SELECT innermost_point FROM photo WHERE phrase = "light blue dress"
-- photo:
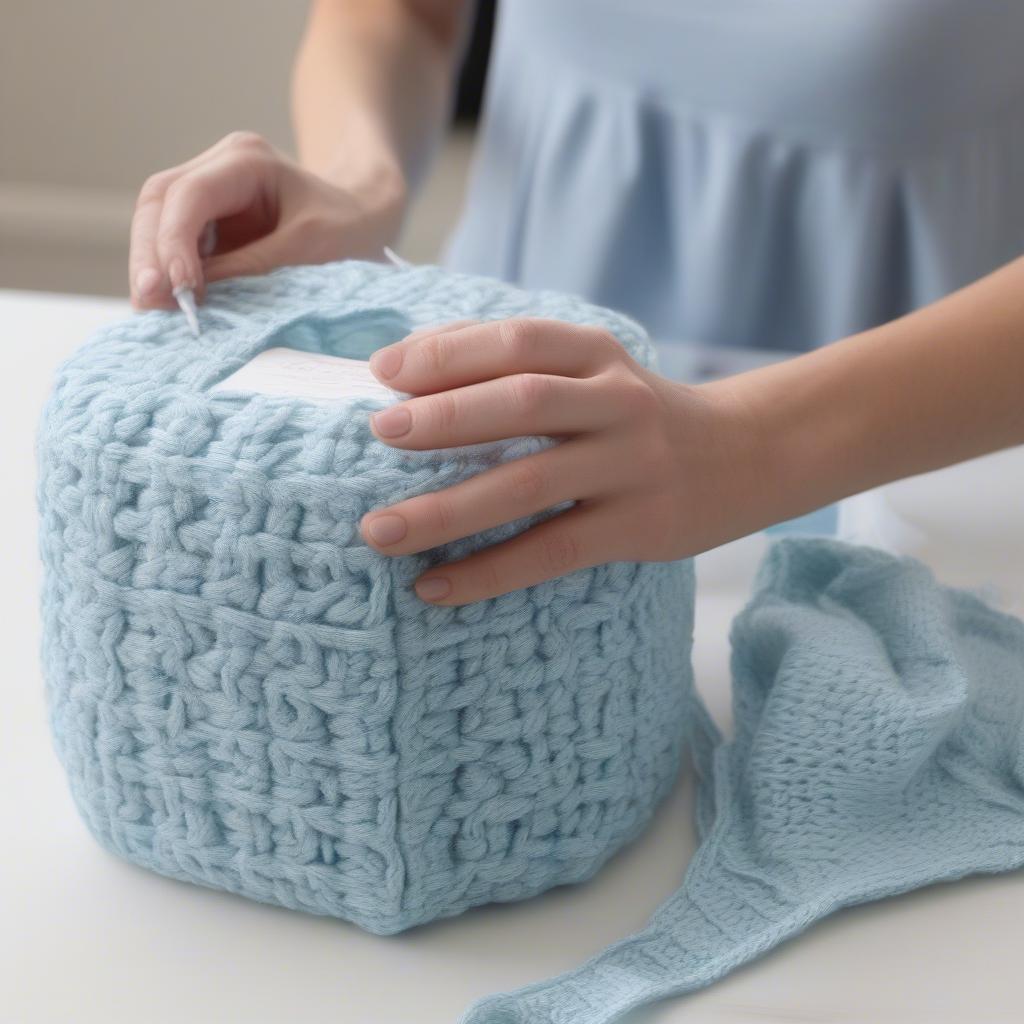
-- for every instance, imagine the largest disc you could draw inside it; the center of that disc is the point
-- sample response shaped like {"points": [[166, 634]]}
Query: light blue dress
{"points": [[761, 173]]}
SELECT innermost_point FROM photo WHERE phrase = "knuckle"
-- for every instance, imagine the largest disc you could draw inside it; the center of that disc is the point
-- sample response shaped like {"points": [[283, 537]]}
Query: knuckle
{"points": [[656, 458], [444, 411], [528, 392], [436, 352], [518, 335], [527, 485], [442, 514], [171, 230], [154, 188], [606, 344], [559, 552], [247, 140], [636, 396], [176, 191]]}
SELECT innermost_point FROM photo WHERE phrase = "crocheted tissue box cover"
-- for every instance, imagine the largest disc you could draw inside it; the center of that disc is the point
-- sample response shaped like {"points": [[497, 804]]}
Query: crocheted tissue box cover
{"points": [[245, 696]]}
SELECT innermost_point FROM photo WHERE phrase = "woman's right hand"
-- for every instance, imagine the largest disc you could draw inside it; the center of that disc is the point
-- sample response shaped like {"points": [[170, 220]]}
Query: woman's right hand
{"points": [[242, 207]]}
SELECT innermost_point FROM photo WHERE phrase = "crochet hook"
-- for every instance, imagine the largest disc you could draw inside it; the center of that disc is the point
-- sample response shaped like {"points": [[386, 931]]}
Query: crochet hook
{"points": [[395, 260], [186, 299], [183, 294]]}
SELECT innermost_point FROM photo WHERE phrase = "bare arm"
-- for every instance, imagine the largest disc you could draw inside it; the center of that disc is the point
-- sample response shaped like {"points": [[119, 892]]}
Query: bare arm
{"points": [[935, 387], [372, 87], [660, 470]]}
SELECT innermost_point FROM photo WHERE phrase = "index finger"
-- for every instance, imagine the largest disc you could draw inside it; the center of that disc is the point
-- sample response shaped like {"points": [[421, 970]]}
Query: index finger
{"points": [[149, 285], [449, 358], [219, 188], [572, 540]]}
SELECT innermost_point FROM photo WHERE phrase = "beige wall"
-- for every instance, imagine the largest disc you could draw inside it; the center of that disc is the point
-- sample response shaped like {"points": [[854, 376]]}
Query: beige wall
{"points": [[97, 94]]}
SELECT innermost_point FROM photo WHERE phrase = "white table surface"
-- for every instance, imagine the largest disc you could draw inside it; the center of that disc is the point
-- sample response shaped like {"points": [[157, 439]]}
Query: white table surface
{"points": [[85, 937]]}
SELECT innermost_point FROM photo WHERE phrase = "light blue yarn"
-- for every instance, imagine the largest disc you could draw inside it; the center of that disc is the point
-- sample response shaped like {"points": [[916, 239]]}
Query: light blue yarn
{"points": [[245, 696], [879, 747]]}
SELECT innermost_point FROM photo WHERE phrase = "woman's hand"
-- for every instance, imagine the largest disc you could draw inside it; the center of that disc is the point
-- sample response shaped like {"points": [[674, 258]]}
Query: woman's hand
{"points": [[661, 470], [657, 470], [242, 207]]}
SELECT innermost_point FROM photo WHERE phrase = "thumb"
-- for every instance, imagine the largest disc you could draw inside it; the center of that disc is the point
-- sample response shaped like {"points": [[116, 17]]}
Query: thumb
{"points": [[256, 257]]}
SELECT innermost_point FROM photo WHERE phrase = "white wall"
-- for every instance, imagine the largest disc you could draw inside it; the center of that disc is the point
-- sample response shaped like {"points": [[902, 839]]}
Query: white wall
{"points": [[97, 94]]}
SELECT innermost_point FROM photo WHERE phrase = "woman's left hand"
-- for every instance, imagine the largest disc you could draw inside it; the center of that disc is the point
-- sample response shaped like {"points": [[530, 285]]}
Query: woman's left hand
{"points": [[657, 470]]}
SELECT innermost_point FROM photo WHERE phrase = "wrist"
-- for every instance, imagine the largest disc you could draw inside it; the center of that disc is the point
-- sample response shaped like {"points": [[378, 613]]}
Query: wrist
{"points": [[360, 162], [792, 439], [363, 206], [377, 183]]}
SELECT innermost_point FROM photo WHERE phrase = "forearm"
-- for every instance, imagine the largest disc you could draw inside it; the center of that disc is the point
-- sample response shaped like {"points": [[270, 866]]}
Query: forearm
{"points": [[371, 88], [940, 385]]}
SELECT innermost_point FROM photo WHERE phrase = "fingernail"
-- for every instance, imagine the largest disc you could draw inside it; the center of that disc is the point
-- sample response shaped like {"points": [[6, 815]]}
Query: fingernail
{"points": [[386, 363], [179, 276], [393, 422], [146, 281], [384, 530], [433, 589]]}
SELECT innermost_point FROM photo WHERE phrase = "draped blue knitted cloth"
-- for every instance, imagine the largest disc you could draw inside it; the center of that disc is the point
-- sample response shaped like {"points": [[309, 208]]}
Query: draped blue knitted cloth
{"points": [[879, 747], [245, 696]]}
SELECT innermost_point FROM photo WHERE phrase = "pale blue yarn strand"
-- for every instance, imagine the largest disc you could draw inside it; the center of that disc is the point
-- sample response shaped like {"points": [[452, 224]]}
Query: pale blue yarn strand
{"points": [[879, 747]]}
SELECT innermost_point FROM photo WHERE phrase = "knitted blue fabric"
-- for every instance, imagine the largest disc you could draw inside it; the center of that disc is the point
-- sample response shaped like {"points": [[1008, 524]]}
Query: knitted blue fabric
{"points": [[879, 746], [245, 696]]}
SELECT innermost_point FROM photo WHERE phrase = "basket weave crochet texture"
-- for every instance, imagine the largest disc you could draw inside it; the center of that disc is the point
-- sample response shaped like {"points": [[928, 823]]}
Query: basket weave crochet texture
{"points": [[245, 696]]}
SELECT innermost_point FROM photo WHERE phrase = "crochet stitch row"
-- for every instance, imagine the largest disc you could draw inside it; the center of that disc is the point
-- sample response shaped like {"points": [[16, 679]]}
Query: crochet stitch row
{"points": [[245, 696]]}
